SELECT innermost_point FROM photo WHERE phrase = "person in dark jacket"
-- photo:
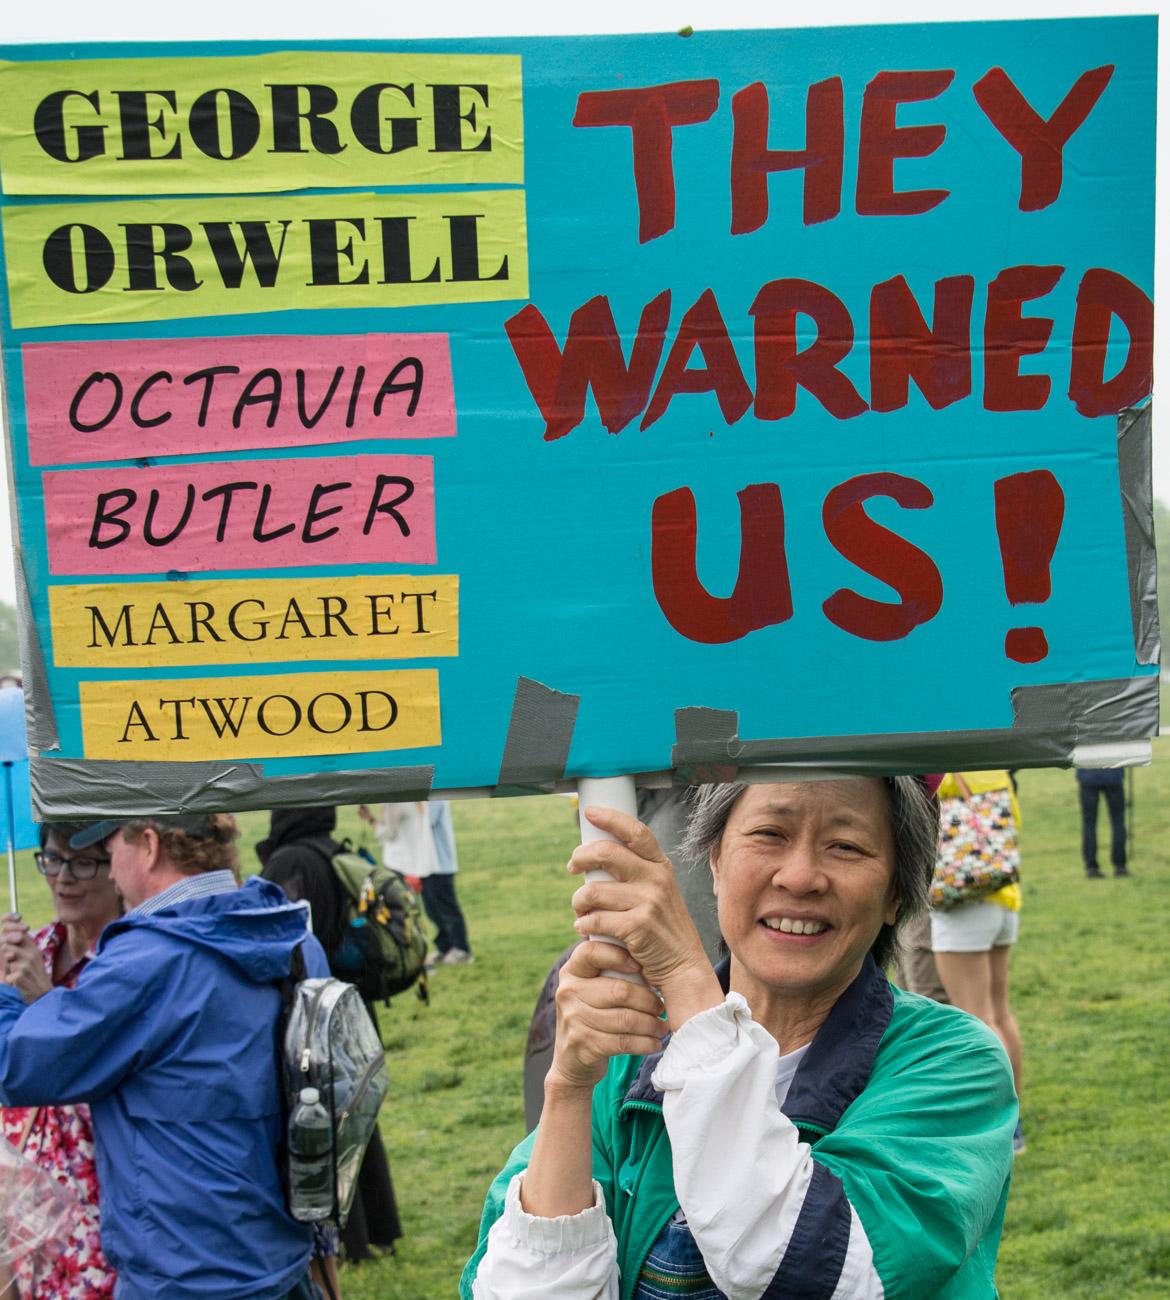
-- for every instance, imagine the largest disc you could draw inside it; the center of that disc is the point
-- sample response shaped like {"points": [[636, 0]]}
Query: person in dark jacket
{"points": [[1093, 783], [297, 856]]}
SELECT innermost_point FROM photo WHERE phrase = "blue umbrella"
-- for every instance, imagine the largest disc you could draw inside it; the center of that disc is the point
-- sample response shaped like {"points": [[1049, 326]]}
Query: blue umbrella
{"points": [[20, 831]]}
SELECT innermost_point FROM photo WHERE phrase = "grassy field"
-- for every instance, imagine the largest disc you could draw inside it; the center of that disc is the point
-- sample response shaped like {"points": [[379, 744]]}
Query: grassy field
{"points": [[1092, 983]]}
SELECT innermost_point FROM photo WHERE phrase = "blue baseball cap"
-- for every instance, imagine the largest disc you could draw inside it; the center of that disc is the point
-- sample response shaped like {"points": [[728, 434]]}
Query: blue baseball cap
{"points": [[197, 825]]}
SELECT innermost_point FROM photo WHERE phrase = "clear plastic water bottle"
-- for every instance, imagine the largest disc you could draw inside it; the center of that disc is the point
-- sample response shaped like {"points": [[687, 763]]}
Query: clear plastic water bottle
{"points": [[310, 1144]]}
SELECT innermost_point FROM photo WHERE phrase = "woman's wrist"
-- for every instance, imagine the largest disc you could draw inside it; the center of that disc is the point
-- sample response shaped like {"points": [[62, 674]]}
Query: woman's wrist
{"points": [[568, 1092], [689, 991]]}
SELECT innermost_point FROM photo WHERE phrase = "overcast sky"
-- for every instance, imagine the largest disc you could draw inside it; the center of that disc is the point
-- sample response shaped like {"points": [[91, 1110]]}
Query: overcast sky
{"points": [[83, 20]]}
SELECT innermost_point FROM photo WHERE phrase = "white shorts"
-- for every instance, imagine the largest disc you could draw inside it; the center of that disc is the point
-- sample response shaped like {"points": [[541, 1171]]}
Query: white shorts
{"points": [[973, 927]]}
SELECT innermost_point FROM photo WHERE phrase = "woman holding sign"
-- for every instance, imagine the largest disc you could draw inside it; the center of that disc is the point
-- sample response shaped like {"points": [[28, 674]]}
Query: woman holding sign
{"points": [[787, 1123]]}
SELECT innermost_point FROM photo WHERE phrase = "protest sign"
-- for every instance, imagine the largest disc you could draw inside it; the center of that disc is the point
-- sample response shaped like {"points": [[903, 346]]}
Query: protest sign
{"points": [[398, 417]]}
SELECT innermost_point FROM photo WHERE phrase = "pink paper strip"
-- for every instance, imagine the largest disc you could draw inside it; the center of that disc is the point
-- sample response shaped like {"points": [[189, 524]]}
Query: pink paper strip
{"points": [[113, 399], [253, 514]]}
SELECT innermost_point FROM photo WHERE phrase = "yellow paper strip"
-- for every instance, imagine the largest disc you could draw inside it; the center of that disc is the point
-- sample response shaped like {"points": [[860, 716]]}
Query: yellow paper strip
{"points": [[260, 717], [102, 263], [272, 620], [293, 120]]}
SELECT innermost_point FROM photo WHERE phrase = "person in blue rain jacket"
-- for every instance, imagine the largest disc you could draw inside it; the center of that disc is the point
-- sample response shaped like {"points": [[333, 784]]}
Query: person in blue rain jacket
{"points": [[170, 1036]]}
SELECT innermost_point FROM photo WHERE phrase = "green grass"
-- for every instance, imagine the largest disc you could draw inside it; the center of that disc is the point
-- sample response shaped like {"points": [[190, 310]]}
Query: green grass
{"points": [[1091, 981]]}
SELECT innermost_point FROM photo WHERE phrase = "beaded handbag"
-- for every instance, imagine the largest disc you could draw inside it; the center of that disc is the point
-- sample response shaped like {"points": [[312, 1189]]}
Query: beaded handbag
{"points": [[977, 848]]}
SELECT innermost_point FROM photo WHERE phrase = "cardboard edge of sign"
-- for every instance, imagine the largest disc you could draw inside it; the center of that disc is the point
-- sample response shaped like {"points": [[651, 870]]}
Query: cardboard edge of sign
{"points": [[1134, 462], [129, 789], [1054, 726], [39, 718], [1094, 723]]}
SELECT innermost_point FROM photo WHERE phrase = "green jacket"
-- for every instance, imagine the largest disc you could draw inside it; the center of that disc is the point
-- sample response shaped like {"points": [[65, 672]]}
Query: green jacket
{"points": [[909, 1109]]}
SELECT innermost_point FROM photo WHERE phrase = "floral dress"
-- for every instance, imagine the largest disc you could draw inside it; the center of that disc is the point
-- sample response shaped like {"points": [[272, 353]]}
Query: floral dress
{"points": [[60, 1140]]}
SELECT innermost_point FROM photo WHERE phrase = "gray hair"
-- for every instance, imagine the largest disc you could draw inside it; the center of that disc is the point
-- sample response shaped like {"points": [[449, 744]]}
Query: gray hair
{"points": [[913, 821]]}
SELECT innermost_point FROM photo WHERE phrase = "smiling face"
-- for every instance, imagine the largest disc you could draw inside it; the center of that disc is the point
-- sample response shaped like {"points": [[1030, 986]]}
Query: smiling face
{"points": [[86, 903], [804, 879]]}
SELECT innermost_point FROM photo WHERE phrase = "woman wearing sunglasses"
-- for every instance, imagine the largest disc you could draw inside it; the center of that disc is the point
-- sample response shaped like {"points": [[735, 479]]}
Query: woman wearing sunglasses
{"points": [[60, 1138]]}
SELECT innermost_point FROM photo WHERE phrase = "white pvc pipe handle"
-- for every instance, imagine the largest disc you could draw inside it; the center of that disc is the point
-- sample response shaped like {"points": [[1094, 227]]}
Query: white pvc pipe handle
{"points": [[13, 903], [619, 793]]}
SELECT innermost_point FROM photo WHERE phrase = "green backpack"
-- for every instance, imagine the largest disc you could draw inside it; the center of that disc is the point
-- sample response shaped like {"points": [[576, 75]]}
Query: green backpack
{"points": [[383, 949]]}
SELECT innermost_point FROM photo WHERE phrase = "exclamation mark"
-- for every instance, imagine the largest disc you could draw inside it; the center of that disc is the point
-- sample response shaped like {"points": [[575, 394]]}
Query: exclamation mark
{"points": [[1029, 513]]}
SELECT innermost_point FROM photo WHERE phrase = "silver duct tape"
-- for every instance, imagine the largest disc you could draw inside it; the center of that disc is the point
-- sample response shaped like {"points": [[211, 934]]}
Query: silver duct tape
{"points": [[536, 749], [1126, 753], [1134, 451], [1098, 713], [40, 719], [1051, 723], [66, 788], [707, 746]]}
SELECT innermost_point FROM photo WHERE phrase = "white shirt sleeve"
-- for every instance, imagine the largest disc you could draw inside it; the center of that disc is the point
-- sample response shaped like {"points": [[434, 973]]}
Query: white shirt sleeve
{"points": [[573, 1257], [741, 1173], [859, 1279]]}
